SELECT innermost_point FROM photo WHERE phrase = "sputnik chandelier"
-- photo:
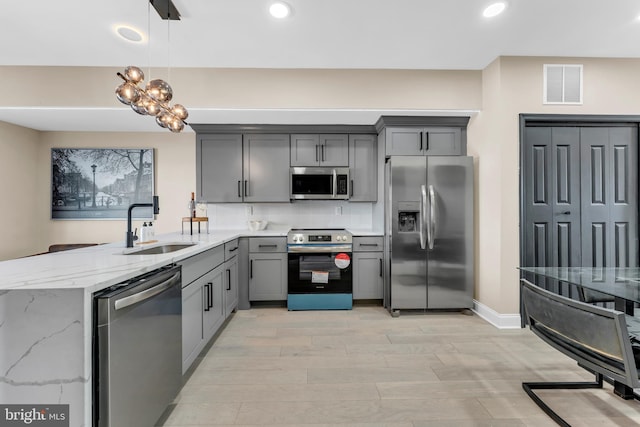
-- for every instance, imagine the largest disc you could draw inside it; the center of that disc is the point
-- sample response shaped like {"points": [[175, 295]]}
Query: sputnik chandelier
{"points": [[152, 100]]}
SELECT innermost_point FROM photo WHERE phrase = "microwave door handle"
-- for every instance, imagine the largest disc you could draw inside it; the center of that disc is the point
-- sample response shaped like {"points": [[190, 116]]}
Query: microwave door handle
{"points": [[335, 184]]}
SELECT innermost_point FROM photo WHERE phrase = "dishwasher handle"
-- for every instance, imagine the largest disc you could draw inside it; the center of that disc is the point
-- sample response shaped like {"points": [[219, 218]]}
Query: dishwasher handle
{"points": [[147, 293]]}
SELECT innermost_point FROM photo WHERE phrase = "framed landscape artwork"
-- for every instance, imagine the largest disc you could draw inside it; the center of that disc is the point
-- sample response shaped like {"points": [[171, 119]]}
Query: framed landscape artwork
{"points": [[101, 183]]}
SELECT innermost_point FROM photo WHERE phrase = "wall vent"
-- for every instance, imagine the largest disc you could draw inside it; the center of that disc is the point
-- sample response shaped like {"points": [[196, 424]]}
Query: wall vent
{"points": [[562, 84]]}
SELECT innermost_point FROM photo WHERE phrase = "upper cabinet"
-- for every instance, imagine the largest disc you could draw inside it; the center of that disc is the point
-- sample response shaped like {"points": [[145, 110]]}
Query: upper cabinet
{"points": [[363, 168], [320, 150], [423, 136], [242, 168], [423, 141]]}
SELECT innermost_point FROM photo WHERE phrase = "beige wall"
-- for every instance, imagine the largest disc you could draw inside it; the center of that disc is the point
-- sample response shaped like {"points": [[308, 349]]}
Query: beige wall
{"points": [[513, 85], [507, 87], [20, 224]]}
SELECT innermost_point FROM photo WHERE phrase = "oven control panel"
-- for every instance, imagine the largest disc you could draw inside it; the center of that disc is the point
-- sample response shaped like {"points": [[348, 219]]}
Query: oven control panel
{"points": [[318, 237]]}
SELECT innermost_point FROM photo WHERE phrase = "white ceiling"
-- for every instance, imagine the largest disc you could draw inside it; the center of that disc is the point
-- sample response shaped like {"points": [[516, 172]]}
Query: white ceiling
{"points": [[397, 34]]}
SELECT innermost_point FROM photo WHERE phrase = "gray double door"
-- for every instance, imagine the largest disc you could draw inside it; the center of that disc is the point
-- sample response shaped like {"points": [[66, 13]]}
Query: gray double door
{"points": [[580, 196]]}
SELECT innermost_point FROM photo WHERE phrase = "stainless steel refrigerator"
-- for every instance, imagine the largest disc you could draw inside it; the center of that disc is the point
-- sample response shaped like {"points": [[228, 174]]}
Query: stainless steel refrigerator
{"points": [[429, 232]]}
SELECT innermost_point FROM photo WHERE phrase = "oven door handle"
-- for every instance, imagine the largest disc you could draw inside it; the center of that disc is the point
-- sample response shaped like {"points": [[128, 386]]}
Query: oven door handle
{"points": [[319, 249], [335, 183]]}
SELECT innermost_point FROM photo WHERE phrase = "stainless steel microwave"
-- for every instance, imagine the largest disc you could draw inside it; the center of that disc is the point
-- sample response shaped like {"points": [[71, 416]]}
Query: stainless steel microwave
{"points": [[319, 183]]}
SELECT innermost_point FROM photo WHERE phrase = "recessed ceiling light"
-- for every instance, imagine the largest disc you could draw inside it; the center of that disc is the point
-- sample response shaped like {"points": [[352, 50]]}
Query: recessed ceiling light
{"points": [[279, 10], [129, 33], [494, 9]]}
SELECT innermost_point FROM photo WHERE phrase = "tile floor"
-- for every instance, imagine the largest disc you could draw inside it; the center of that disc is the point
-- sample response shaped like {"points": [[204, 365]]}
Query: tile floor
{"points": [[363, 368]]}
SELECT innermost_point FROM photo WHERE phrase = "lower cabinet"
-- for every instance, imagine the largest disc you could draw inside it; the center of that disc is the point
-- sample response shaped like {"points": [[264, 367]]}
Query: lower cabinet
{"points": [[205, 300], [230, 285], [267, 269], [368, 271]]}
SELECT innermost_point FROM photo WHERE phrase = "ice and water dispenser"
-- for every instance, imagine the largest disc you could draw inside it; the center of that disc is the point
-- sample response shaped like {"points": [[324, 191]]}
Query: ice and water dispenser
{"points": [[408, 217]]}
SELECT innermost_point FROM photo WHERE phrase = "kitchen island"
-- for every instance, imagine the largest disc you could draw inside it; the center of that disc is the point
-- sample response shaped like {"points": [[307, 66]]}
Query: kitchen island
{"points": [[46, 316]]}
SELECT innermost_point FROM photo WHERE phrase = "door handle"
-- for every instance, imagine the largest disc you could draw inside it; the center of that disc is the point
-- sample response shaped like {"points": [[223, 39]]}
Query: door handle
{"points": [[322, 148], [380, 267], [566, 213], [335, 183], [369, 244], [432, 217], [420, 141], [251, 269], [208, 296], [426, 137], [228, 279], [267, 246], [239, 189], [246, 191], [234, 249], [421, 219], [351, 189], [316, 152]]}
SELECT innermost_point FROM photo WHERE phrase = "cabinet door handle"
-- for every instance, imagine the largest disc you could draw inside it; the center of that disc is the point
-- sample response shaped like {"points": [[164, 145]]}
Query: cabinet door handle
{"points": [[322, 148], [368, 244], [246, 191], [228, 279], [380, 267], [251, 269], [426, 137], [234, 249], [351, 189], [208, 296], [211, 295], [420, 141], [267, 246], [239, 189], [316, 152]]}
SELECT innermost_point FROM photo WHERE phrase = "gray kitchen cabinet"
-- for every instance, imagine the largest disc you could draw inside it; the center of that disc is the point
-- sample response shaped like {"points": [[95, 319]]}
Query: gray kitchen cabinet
{"points": [[242, 168], [363, 168], [368, 273], [320, 150], [231, 277], [213, 303], [219, 168], [202, 301], [266, 169], [267, 269], [416, 141]]}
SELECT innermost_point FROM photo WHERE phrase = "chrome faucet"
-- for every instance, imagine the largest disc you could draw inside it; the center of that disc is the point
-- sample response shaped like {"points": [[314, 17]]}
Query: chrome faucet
{"points": [[156, 210]]}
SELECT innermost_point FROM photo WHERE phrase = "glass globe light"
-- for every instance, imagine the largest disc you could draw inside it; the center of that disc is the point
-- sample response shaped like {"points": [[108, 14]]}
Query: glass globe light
{"points": [[176, 125], [180, 112], [139, 107], [159, 90], [152, 106], [163, 119], [134, 74], [127, 93]]}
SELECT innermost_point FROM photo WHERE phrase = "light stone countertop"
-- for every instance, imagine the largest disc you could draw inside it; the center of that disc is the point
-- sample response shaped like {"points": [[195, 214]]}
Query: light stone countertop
{"points": [[97, 267]]}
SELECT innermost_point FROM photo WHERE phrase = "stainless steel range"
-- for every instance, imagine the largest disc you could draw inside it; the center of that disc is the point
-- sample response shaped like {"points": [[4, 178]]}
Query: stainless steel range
{"points": [[320, 269]]}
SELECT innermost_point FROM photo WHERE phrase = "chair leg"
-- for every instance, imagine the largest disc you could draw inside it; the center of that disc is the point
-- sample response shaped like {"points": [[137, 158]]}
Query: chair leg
{"points": [[530, 386]]}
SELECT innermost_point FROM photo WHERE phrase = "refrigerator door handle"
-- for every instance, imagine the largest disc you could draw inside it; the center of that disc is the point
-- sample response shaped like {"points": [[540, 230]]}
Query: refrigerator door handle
{"points": [[432, 217], [422, 219]]}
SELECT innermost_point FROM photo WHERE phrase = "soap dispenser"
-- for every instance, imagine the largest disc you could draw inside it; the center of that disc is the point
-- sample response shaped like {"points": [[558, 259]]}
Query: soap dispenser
{"points": [[144, 233], [151, 232]]}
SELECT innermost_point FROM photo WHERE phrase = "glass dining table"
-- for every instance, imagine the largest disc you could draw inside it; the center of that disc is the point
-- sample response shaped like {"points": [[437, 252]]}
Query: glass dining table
{"points": [[621, 284]]}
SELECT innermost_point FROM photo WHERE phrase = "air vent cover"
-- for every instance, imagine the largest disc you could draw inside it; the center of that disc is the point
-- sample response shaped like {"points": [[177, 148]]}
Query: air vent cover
{"points": [[562, 84]]}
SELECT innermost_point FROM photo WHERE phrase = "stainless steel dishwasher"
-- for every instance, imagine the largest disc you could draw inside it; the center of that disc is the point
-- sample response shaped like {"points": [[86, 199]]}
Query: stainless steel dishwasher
{"points": [[137, 360]]}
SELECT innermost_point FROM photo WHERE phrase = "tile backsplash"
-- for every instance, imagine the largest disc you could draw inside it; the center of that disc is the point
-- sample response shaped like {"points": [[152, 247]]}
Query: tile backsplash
{"points": [[302, 214]]}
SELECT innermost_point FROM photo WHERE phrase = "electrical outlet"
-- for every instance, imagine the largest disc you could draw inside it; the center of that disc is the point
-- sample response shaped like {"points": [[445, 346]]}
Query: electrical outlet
{"points": [[249, 210], [338, 210]]}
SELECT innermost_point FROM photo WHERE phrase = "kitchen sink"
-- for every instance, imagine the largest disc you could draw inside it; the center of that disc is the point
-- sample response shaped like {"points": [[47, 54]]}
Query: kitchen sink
{"points": [[161, 249]]}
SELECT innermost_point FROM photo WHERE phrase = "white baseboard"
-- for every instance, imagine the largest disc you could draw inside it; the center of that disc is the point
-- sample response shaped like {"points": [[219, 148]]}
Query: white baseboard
{"points": [[500, 321]]}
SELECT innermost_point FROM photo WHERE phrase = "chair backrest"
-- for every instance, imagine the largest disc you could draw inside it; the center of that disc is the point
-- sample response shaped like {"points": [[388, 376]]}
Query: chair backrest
{"points": [[595, 337]]}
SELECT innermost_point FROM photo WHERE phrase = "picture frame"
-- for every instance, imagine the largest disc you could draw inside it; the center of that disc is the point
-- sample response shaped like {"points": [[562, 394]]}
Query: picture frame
{"points": [[101, 183]]}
